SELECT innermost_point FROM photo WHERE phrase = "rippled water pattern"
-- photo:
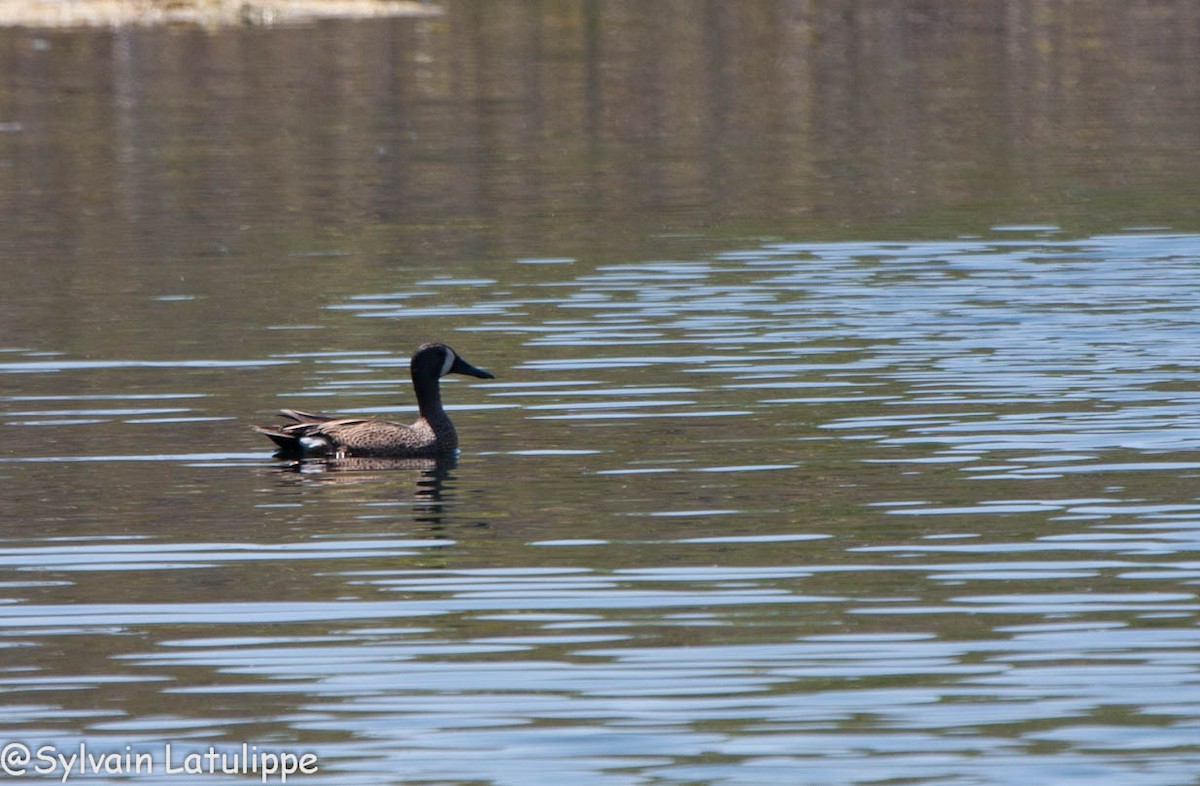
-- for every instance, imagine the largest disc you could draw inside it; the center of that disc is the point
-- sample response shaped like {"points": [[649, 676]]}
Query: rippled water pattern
{"points": [[820, 513]]}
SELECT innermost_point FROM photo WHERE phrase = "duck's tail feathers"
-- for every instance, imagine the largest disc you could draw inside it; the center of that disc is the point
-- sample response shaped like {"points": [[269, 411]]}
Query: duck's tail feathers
{"points": [[287, 443]]}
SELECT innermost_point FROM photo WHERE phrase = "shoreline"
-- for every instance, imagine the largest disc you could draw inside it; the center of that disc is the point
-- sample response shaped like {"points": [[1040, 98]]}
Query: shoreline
{"points": [[60, 14]]}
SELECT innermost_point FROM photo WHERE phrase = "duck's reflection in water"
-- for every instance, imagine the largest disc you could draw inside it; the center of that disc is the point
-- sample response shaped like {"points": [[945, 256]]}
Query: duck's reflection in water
{"points": [[432, 491]]}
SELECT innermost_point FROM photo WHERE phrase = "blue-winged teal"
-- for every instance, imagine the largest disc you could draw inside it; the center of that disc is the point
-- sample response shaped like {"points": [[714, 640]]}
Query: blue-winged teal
{"points": [[431, 435]]}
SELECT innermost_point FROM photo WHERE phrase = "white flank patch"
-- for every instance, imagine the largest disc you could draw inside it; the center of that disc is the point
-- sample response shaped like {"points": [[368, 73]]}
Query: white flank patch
{"points": [[449, 362], [314, 443]]}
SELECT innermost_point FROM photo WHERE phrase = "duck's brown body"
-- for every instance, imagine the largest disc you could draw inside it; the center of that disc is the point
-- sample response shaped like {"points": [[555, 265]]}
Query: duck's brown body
{"points": [[432, 434]]}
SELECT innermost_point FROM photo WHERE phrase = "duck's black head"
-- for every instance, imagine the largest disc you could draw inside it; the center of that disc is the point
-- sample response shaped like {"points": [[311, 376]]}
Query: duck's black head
{"points": [[431, 361]]}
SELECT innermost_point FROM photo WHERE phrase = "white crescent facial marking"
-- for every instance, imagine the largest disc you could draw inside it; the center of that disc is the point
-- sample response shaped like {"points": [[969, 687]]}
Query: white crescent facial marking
{"points": [[449, 362]]}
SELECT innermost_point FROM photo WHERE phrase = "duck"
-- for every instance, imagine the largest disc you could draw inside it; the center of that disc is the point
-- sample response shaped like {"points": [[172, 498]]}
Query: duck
{"points": [[322, 436]]}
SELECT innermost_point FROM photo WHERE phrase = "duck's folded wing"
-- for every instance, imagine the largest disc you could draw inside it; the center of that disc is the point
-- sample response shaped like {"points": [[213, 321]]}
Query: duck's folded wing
{"points": [[333, 425], [316, 435], [330, 436], [304, 417], [310, 433]]}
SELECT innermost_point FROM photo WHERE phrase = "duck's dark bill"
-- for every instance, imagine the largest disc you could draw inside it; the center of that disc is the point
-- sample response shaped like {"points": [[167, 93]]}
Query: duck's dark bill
{"points": [[463, 367]]}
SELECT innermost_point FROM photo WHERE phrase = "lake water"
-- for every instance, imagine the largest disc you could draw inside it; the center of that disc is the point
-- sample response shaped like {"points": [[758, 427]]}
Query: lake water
{"points": [[845, 425]]}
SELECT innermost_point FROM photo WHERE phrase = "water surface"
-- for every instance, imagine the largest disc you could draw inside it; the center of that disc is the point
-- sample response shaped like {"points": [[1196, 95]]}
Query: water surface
{"points": [[841, 434]]}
